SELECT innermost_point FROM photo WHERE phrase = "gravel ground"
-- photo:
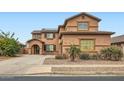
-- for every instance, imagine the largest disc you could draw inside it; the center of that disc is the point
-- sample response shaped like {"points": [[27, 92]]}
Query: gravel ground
{"points": [[52, 61]]}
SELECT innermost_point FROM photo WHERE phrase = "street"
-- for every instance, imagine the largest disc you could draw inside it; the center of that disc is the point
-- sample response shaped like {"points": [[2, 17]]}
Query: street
{"points": [[61, 78]]}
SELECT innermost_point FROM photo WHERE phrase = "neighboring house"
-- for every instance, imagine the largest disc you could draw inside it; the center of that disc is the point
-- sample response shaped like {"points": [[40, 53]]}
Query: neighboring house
{"points": [[80, 30], [118, 41]]}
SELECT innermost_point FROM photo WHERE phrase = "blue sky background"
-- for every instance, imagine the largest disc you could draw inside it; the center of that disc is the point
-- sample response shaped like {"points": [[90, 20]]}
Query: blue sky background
{"points": [[22, 24]]}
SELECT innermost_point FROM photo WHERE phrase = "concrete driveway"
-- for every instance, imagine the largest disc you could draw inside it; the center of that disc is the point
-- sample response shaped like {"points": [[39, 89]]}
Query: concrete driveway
{"points": [[20, 65]]}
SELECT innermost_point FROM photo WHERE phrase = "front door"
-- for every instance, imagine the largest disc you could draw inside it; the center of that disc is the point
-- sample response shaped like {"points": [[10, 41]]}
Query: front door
{"points": [[35, 49]]}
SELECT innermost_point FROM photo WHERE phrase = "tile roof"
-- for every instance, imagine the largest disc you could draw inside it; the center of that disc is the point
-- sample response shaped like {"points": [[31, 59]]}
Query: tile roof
{"points": [[44, 30], [36, 32], [117, 39]]}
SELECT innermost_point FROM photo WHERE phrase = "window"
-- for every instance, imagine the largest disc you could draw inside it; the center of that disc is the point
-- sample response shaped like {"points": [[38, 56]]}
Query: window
{"points": [[49, 35], [49, 48], [82, 26], [87, 45], [36, 36]]}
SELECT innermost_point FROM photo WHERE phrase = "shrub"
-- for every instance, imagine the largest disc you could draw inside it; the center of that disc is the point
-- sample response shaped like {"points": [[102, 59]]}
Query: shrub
{"points": [[64, 56], [111, 53], [59, 57], [74, 52], [84, 56], [95, 56]]}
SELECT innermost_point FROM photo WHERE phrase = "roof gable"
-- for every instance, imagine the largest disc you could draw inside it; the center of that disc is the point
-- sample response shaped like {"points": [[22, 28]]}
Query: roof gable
{"points": [[75, 16], [82, 14]]}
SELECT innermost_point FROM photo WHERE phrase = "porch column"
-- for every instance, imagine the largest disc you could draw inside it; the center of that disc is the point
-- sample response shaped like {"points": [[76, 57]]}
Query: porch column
{"points": [[29, 50], [41, 51]]}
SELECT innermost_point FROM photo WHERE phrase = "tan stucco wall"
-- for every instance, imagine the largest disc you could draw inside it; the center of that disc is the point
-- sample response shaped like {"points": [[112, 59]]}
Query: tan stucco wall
{"points": [[101, 41]]}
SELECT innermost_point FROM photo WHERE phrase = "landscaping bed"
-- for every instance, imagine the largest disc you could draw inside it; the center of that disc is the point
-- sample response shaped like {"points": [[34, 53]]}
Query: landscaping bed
{"points": [[52, 61], [8, 57], [4, 58], [108, 62]]}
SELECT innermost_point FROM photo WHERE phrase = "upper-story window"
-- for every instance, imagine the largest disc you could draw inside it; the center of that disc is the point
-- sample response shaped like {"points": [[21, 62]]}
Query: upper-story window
{"points": [[82, 26], [49, 35], [36, 36]]}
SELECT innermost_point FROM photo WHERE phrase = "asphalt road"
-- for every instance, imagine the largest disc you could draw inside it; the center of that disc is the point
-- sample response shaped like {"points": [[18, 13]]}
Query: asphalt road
{"points": [[61, 78]]}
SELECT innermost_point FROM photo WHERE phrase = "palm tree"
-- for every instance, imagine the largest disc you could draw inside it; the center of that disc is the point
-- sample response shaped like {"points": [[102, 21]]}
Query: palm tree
{"points": [[7, 35], [74, 52]]}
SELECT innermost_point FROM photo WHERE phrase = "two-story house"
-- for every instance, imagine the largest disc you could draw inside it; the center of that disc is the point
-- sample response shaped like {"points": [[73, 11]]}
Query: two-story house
{"points": [[81, 30], [118, 41]]}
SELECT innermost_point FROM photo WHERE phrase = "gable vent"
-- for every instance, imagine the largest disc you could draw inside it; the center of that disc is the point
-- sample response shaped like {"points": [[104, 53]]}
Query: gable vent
{"points": [[83, 17]]}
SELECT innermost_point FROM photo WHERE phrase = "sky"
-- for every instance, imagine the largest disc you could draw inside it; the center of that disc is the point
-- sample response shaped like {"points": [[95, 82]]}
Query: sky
{"points": [[23, 23]]}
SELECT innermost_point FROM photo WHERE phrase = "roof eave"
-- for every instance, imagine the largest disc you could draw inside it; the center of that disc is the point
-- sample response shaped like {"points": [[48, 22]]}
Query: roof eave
{"points": [[34, 39], [86, 33]]}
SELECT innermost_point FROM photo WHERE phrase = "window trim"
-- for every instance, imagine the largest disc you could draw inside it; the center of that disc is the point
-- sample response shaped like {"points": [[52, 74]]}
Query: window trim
{"points": [[36, 36], [49, 38], [88, 50], [82, 29], [54, 47]]}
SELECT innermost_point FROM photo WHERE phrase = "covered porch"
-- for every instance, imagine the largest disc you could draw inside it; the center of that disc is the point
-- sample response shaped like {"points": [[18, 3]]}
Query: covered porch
{"points": [[35, 46]]}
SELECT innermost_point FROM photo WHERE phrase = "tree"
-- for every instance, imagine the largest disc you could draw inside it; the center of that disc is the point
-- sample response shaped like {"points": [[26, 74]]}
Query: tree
{"points": [[9, 46], [74, 52]]}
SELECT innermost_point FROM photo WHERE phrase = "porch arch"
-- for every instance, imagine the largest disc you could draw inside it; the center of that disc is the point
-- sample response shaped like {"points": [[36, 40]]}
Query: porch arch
{"points": [[35, 46]]}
